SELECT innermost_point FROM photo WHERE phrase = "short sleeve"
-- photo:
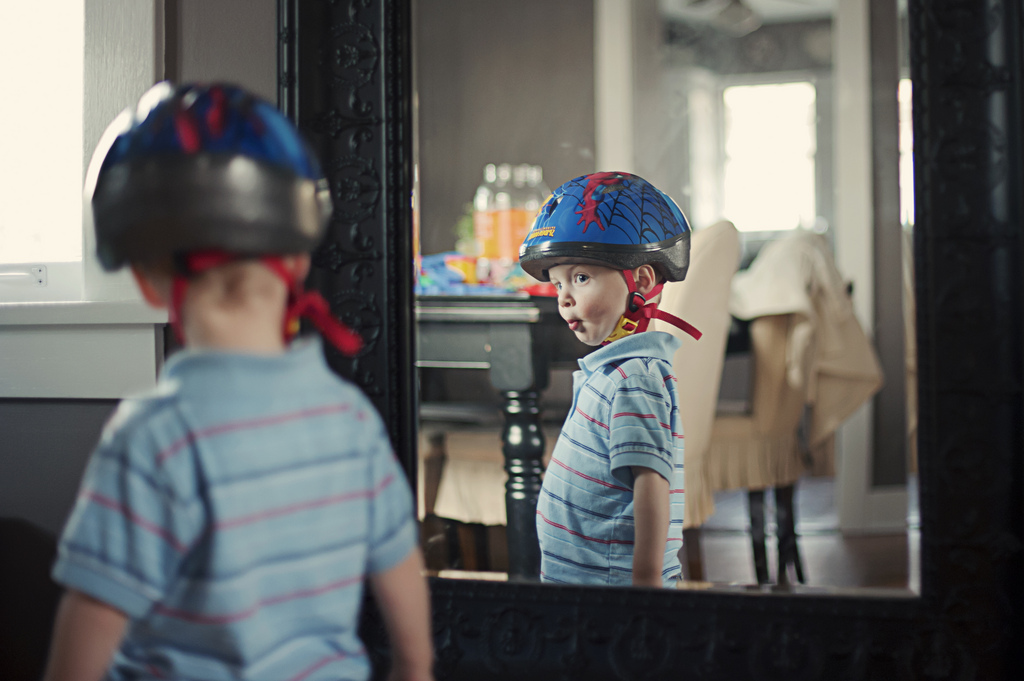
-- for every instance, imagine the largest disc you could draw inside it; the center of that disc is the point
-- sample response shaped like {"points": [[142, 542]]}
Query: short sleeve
{"points": [[640, 429], [392, 532], [129, 532]]}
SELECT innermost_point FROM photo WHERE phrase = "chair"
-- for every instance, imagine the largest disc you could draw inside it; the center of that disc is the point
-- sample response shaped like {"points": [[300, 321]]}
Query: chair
{"points": [[760, 449], [702, 299], [813, 366]]}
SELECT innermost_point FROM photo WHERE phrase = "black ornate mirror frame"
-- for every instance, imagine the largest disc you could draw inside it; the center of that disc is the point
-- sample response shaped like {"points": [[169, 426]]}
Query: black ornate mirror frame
{"points": [[345, 76]]}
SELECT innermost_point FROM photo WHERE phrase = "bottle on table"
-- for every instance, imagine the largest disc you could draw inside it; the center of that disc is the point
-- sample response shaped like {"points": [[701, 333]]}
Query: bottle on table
{"points": [[535, 195], [484, 234], [502, 211], [536, 181], [504, 208], [513, 220]]}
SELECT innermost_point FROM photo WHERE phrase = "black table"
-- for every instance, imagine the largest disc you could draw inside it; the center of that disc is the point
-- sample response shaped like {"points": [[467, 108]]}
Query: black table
{"points": [[518, 339]]}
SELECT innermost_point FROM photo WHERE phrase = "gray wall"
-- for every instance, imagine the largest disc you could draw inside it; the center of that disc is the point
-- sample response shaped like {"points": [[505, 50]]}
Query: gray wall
{"points": [[44, 445], [889, 454], [499, 82], [226, 40]]}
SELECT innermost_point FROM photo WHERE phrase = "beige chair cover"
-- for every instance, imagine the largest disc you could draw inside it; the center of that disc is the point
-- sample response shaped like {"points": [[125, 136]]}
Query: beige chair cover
{"points": [[760, 449], [702, 300], [809, 349]]}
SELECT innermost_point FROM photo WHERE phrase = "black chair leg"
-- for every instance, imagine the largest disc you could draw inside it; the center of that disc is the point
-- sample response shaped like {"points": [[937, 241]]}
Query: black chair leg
{"points": [[691, 557], [755, 500], [789, 553]]}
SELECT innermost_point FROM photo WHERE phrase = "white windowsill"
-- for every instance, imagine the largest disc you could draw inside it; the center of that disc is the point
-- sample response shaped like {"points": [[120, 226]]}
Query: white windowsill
{"points": [[78, 349], [79, 312]]}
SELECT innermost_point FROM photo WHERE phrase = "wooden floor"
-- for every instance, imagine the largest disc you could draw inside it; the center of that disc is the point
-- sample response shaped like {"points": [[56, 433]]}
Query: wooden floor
{"points": [[830, 559]]}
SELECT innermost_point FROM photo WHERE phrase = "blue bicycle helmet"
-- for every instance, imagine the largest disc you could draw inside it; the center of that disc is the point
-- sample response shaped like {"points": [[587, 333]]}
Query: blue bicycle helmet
{"points": [[613, 219], [206, 174], [201, 167]]}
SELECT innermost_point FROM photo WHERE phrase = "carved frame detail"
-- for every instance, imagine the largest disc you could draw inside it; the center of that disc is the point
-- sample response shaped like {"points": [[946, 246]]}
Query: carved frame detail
{"points": [[345, 76]]}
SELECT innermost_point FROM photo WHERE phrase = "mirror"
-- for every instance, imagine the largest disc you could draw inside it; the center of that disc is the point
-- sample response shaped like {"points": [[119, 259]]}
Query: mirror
{"points": [[346, 74], [733, 109]]}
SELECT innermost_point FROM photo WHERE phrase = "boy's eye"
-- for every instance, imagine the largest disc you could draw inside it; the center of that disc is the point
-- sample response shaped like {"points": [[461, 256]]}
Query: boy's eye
{"points": [[581, 278]]}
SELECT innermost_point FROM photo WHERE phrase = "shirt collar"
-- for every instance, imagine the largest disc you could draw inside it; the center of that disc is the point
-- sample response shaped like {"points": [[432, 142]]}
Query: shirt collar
{"points": [[656, 344]]}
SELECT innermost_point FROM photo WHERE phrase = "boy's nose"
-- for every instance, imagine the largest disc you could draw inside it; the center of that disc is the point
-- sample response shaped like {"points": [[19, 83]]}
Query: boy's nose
{"points": [[563, 299]]}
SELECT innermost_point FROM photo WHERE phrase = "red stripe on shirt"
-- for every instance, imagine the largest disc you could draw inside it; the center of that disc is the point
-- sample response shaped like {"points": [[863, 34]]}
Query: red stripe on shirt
{"points": [[580, 535], [677, 491], [587, 477], [619, 369], [592, 419], [669, 377], [295, 508], [152, 528], [202, 618], [642, 416], [231, 426]]}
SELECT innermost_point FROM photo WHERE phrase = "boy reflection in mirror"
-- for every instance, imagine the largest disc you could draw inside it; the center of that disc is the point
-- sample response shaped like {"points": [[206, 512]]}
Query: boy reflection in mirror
{"points": [[611, 506]]}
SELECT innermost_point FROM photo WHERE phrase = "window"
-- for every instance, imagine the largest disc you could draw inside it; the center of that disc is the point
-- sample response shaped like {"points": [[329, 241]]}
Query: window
{"points": [[768, 169], [41, 192], [67, 74], [41, 195]]}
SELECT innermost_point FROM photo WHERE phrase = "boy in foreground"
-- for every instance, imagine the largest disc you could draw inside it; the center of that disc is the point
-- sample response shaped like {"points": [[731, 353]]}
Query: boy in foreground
{"points": [[611, 505], [228, 518]]}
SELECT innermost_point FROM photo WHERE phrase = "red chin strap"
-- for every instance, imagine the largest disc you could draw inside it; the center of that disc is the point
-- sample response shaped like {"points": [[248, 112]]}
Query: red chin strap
{"points": [[639, 313], [308, 304]]}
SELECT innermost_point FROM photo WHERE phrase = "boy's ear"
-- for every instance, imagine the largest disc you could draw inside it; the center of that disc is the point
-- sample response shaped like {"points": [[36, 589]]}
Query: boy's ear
{"points": [[150, 292], [646, 279]]}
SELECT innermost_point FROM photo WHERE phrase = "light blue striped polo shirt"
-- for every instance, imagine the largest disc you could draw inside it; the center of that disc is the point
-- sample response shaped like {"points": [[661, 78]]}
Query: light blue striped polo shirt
{"points": [[624, 413], [233, 513]]}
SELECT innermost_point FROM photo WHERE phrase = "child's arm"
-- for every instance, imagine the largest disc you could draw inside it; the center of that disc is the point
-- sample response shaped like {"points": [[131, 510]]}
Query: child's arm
{"points": [[651, 514], [401, 593], [85, 636]]}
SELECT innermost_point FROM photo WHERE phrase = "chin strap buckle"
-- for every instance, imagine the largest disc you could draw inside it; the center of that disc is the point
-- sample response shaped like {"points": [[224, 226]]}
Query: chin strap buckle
{"points": [[636, 301], [639, 314]]}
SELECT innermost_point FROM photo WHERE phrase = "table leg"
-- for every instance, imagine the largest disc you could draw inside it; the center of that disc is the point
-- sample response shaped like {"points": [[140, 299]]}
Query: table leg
{"points": [[523, 446]]}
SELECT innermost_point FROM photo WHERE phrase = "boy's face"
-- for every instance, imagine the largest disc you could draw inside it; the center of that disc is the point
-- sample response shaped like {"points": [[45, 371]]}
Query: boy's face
{"points": [[591, 299]]}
